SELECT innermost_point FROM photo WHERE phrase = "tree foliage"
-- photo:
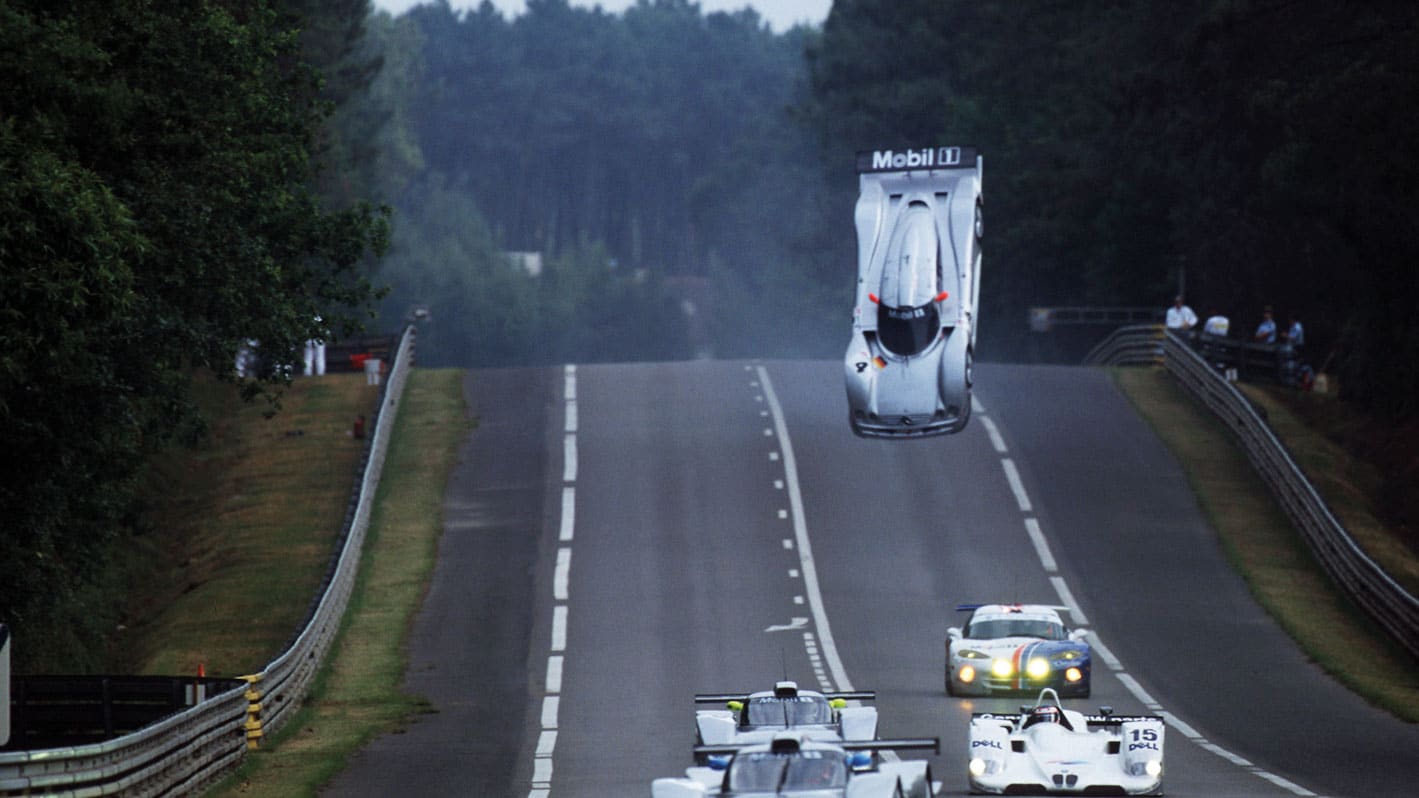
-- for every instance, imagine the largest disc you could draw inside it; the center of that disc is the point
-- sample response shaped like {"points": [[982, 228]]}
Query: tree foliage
{"points": [[652, 147], [156, 211], [1258, 148]]}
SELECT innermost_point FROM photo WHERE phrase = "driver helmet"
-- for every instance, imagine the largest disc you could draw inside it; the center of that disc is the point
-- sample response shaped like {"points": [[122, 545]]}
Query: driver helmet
{"points": [[1044, 714]]}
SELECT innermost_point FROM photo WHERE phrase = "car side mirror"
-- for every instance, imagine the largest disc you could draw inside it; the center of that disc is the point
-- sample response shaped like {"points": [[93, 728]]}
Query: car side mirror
{"points": [[954, 633], [1078, 634]]}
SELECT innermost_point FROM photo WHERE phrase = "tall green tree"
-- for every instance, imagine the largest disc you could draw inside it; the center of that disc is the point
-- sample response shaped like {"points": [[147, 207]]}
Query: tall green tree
{"points": [[155, 167]]}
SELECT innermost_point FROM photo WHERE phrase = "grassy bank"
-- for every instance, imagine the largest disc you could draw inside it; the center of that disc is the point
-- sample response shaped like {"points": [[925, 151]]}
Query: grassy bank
{"points": [[242, 528], [357, 696], [1264, 547]]}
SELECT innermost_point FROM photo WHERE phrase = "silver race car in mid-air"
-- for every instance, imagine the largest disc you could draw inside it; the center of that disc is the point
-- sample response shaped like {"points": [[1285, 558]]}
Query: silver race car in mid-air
{"points": [[1047, 749], [756, 717], [791, 765], [908, 366]]}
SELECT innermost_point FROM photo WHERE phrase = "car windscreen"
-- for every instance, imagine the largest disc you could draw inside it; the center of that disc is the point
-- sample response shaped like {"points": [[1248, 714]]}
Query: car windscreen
{"points": [[1014, 627], [789, 712], [907, 331], [781, 772]]}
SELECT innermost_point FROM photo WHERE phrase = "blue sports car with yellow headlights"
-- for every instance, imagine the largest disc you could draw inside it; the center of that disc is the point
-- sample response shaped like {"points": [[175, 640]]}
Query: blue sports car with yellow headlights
{"points": [[1016, 648]]}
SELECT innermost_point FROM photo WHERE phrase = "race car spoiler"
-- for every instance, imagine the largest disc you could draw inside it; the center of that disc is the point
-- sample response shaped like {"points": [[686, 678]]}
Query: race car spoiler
{"points": [[720, 698], [974, 607], [932, 744], [1092, 720]]}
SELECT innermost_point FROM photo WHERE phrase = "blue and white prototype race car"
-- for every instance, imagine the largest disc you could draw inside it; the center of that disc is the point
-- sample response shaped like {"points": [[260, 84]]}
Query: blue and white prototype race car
{"points": [[908, 365], [793, 766], [756, 717], [1047, 749], [1016, 648]]}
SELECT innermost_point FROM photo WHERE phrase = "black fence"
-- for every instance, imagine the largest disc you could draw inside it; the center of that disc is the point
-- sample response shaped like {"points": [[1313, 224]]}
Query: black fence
{"points": [[60, 711]]}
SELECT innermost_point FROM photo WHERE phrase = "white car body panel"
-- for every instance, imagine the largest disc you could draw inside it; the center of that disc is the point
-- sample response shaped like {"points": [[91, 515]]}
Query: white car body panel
{"points": [[918, 220]]}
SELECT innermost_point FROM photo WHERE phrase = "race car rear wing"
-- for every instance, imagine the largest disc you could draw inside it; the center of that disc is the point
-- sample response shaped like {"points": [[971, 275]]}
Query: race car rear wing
{"points": [[932, 744], [720, 698], [1092, 720]]}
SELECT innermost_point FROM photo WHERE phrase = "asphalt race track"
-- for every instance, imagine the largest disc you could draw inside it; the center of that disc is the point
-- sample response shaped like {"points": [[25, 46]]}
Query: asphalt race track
{"points": [[621, 537]]}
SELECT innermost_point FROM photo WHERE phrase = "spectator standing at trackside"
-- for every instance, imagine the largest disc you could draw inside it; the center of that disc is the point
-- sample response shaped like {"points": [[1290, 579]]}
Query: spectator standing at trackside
{"points": [[1266, 331], [1295, 333], [1217, 325], [1180, 317]]}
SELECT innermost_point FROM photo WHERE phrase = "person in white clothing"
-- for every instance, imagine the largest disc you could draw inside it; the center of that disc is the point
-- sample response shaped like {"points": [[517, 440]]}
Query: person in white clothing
{"points": [[1180, 317]]}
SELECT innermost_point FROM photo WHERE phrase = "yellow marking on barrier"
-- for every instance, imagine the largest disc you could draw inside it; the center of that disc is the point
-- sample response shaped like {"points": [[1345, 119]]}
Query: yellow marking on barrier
{"points": [[253, 710]]}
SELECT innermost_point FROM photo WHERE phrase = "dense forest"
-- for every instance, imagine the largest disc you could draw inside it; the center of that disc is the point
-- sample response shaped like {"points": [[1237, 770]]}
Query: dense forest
{"points": [[648, 159], [179, 178]]}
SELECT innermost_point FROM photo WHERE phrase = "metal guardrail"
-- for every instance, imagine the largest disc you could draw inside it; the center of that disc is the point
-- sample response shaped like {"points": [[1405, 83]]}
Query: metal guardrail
{"points": [[189, 751], [1348, 565]]}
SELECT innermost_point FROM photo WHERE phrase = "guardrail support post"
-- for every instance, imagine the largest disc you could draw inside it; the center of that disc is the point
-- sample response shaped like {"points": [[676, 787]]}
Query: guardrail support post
{"points": [[253, 711]]}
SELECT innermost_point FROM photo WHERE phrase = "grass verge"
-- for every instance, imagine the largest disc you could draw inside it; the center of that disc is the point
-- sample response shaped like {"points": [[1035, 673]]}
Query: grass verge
{"points": [[357, 695], [1267, 551], [240, 529]]}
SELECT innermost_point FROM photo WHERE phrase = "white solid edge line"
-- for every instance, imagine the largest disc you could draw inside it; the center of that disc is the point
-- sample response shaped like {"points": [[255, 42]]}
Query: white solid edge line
{"points": [[1183, 728], [1284, 783], [1037, 537], [976, 406], [1139, 693], [1225, 754], [1016, 486], [995, 439], [1105, 654], [1068, 598], [800, 533]]}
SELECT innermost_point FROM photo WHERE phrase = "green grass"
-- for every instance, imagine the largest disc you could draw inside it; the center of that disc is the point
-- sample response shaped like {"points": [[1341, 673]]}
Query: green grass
{"points": [[1264, 547], [357, 695], [240, 530]]}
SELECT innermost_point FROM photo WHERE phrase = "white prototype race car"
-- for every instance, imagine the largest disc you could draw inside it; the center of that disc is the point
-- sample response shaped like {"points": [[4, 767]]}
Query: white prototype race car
{"points": [[793, 766], [1047, 749], [908, 365], [756, 717]]}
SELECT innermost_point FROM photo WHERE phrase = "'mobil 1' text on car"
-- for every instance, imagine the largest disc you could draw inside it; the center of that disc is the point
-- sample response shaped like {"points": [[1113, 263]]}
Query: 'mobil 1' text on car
{"points": [[791, 765], [908, 366], [1016, 648], [1047, 749]]}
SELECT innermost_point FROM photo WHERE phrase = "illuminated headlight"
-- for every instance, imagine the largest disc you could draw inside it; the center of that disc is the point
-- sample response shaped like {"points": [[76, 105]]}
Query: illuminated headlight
{"points": [[977, 767], [967, 674], [971, 654], [1073, 675], [1070, 655], [1002, 668], [1037, 668], [1152, 768]]}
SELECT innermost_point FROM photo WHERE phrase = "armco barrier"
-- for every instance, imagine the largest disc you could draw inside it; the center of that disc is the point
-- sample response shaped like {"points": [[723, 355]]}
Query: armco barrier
{"points": [[186, 752], [1355, 572]]}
